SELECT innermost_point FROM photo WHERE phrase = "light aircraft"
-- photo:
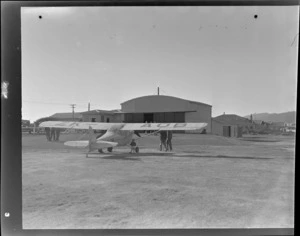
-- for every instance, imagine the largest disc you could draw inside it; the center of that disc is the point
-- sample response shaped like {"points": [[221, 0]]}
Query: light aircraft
{"points": [[117, 134]]}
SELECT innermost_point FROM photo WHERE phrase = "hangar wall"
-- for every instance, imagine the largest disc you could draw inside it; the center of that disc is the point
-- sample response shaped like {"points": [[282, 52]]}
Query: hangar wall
{"points": [[102, 116], [158, 117], [97, 118], [156, 103], [154, 108], [160, 108], [118, 117], [202, 114]]}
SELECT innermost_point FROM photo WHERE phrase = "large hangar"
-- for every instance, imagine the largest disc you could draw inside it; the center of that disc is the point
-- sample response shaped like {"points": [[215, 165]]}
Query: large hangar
{"points": [[161, 109]]}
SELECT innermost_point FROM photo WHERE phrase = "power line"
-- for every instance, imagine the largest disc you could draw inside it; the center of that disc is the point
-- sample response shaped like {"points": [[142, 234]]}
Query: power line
{"points": [[52, 103], [81, 104], [164, 91]]}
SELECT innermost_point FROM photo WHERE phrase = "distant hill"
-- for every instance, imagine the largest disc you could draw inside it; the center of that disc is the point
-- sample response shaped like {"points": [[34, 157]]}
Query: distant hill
{"points": [[288, 117]]}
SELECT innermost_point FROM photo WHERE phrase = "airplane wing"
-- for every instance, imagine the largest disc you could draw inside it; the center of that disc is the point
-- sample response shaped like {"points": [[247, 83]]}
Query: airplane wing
{"points": [[77, 125], [124, 126], [164, 126]]}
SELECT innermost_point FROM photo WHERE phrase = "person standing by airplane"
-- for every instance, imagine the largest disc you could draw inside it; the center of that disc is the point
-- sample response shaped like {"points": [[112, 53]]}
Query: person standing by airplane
{"points": [[150, 125], [133, 146], [163, 138], [169, 140], [146, 122], [57, 132], [47, 131], [52, 134]]}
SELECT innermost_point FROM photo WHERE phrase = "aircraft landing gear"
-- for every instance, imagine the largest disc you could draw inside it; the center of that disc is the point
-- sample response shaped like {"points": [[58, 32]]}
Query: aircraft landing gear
{"points": [[137, 149], [100, 150], [110, 149]]}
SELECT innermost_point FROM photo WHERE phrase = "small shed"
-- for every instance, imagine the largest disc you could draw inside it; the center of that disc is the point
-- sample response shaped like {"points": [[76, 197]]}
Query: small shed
{"points": [[225, 129]]}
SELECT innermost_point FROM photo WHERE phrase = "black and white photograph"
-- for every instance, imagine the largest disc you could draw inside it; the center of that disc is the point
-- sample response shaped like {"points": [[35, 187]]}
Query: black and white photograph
{"points": [[158, 117]]}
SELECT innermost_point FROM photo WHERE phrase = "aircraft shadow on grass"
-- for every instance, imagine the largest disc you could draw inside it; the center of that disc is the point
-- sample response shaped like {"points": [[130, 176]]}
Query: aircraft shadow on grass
{"points": [[260, 140], [227, 157], [128, 156], [138, 156]]}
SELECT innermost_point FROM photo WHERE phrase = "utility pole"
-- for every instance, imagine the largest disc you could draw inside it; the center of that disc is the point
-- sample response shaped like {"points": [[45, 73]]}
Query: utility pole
{"points": [[158, 91], [73, 106]]}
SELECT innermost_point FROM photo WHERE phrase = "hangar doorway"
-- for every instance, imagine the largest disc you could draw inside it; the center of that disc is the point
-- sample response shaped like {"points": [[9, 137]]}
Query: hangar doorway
{"points": [[155, 117], [148, 117]]}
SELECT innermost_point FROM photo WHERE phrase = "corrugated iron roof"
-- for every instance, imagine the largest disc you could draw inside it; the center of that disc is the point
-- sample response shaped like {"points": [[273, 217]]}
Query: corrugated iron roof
{"points": [[168, 97], [99, 112], [232, 119], [67, 115]]}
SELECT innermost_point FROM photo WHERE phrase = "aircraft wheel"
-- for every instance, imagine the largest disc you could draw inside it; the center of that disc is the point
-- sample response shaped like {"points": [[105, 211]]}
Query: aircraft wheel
{"points": [[137, 149], [100, 150], [110, 149]]}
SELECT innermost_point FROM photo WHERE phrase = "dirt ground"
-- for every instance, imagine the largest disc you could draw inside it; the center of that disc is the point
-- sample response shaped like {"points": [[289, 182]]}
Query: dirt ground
{"points": [[206, 182]]}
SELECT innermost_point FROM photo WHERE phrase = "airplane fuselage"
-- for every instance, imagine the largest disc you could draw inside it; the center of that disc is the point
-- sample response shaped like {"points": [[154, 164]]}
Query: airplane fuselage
{"points": [[115, 134]]}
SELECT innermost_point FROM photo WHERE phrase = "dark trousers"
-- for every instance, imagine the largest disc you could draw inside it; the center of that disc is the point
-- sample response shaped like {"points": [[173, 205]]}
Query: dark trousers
{"points": [[169, 145], [48, 135], [52, 135], [162, 143], [57, 135]]}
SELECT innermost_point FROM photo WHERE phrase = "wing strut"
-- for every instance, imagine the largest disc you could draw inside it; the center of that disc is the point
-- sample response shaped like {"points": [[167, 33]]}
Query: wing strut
{"points": [[92, 138]]}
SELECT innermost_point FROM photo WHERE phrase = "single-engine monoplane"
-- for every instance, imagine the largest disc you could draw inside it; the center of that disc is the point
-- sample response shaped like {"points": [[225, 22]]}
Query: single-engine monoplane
{"points": [[117, 134]]}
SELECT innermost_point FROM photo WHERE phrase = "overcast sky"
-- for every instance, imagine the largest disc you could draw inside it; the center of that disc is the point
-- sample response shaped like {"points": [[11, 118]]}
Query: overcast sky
{"points": [[222, 56]]}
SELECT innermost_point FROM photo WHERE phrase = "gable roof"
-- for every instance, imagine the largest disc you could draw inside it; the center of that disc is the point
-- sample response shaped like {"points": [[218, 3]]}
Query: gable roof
{"points": [[94, 112], [232, 119], [67, 115], [165, 96]]}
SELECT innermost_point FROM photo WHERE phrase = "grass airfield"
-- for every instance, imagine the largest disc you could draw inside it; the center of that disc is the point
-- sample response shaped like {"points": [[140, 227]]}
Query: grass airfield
{"points": [[206, 182]]}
